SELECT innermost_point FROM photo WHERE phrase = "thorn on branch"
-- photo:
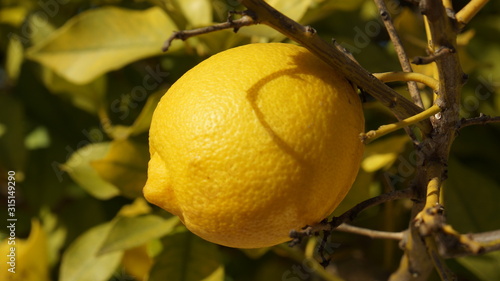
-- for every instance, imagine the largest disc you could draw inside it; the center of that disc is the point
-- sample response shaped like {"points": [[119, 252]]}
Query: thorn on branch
{"points": [[433, 57]]}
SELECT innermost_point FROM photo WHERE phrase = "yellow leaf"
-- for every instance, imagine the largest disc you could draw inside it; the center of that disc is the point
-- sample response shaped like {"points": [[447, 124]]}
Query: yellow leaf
{"points": [[383, 153], [137, 262], [79, 168], [40, 28], [197, 12], [138, 207], [81, 261], [125, 166], [13, 15], [26, 260], [15, 57], [101, 40]]}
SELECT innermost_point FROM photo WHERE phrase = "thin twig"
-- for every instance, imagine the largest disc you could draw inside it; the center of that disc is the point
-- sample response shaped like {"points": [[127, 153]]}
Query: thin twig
{"points": [[433, 57], [377, 234], [350, 214], [400, 51], [246, 19], [482, 119]]}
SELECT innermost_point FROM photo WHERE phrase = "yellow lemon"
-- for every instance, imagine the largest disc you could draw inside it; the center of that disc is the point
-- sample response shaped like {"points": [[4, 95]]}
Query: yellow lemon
{"points": [[253, 142]]}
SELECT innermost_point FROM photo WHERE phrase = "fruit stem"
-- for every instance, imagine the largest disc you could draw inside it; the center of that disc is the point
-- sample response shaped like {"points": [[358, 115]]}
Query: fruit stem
{"points": [[386, 129], [408, 76]]}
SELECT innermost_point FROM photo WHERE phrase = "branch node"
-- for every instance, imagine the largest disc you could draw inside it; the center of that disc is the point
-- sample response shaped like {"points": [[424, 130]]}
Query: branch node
{"points": [[310, 31], [385, 15], [433, 57], [451, 13]]}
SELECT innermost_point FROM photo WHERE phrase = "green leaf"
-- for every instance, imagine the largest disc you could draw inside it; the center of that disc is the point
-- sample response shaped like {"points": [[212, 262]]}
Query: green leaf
{"points": [[186, 257], [129, 232], [125, 166], [81, 261], [79, 168], [471, 199], [99, 40]]}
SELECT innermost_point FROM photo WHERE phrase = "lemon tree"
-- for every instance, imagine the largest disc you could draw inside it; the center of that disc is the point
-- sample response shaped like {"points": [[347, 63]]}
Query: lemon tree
{"points": [[251, 139]]}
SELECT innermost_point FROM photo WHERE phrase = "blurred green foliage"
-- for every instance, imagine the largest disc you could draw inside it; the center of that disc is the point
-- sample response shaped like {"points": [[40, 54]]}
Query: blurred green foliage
{"points": [[79, 81]]}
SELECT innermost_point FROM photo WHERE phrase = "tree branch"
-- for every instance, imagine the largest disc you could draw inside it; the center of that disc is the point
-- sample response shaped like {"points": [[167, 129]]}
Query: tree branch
{"points": [[247, 18], [400, 51], [369, 232], [482, 119], [349, 215]]}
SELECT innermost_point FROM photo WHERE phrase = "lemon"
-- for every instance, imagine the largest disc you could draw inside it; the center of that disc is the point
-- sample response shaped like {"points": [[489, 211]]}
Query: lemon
{"points": [[253, 142]]}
